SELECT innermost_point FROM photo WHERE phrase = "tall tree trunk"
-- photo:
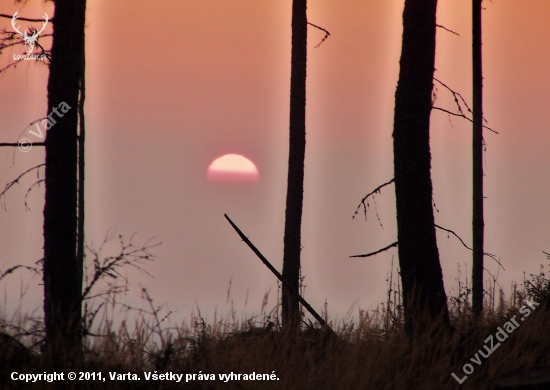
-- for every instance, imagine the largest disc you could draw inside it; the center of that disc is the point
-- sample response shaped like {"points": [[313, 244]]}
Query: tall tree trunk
{"points": [[477, 161], [295, 189], [421, 275], [62, 287], [80, 246]]}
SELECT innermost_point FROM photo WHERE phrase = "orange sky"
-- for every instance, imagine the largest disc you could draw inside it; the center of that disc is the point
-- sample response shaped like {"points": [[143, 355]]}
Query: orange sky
{"points": [[173, 86]]}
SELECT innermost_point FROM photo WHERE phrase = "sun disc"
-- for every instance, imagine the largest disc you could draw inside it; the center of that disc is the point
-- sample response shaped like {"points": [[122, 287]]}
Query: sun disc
{"points": [[232, 168]]}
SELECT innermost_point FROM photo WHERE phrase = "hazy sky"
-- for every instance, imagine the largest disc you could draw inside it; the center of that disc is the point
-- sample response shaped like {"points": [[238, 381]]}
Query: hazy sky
{"points": [[173, 85]]}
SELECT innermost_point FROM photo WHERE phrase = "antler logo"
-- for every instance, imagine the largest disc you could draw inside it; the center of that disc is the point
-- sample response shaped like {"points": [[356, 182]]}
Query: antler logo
{"points": [[30, 40]]}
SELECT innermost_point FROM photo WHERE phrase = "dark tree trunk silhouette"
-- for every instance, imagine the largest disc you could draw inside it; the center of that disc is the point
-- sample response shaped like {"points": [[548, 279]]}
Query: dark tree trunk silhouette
{"points": [[421, 275], [80, 246], [62, 287], [295, 189], [477, 162]]}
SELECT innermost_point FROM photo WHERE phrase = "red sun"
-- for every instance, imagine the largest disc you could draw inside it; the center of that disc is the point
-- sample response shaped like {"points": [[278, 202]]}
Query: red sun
{"points": [[232, 168]]}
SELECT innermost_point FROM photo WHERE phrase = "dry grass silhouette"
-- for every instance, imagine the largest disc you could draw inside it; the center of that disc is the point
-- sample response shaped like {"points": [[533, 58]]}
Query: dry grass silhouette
{"points": [[369, 351]]}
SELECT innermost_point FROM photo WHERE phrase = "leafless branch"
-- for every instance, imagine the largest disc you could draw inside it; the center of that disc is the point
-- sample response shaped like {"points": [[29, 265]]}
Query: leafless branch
{"points": [[25, 19], [462, 116], [108, 267], [456, 96], [13, 144], [29, 190], [16, 181], [266, 262], [547, 255], [446, 29], [378, 251], [467, 247], [14, 268], [363, 201], [327, 34]]}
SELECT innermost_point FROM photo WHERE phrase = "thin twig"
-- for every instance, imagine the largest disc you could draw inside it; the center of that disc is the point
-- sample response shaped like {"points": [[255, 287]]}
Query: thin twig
{"points": [[16, 181], [467, 247], [29, 190], [456, 95], [462, 116], [446, 29], [327, 34], [378, 251], [14, 268]]}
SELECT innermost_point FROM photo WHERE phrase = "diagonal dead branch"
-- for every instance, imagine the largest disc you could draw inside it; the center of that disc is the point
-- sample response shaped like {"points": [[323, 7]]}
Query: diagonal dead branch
{"points": [[378, 251], [363, 201], [446, 29], [308, 307], [327, 34]]}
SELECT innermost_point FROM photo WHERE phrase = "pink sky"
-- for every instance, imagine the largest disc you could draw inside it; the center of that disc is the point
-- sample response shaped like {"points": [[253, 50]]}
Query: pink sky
{"points": [[173, 86]]}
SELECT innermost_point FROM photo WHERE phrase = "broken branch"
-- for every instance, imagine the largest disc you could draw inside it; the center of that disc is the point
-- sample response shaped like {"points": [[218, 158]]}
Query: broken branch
{"points": [[278, 275]]}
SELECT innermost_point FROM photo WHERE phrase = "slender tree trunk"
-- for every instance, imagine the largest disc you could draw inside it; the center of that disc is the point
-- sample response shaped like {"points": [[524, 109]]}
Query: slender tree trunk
{"points": [[421, 275], [80, 250], [477, 161], [295, 189], [62, 287]]}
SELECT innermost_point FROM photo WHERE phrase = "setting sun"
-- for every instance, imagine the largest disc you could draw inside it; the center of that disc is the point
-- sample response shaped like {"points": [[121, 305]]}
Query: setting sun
{"points": [[232, 168]]}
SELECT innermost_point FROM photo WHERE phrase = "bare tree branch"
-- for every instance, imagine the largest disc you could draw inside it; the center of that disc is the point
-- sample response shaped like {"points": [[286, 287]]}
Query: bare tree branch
{"points": [[129, 255], [456, 96], [14, 268], [16, 181], [446, 29], [462, 116], [29, 190], [25, 19], [363, 201], [467, 247], [327, 34], [13, 144], [278, 275], [378, 251]]}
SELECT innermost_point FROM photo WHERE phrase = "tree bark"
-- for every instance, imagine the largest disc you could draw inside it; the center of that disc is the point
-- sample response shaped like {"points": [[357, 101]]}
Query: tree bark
{"points": [[62, 287], [297, 144], [478, 224], [421, 275]]}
